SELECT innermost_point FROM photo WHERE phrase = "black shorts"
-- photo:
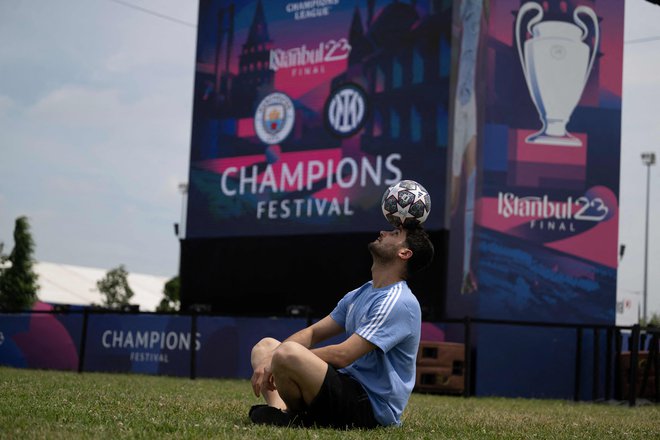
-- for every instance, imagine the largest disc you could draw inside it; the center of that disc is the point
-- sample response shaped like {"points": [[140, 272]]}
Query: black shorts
{"points": [[341, 403]]}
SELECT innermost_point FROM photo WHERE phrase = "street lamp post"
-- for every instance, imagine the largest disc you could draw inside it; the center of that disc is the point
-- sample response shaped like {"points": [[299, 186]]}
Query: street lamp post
{"points": [[183, 189], [648, 159]]}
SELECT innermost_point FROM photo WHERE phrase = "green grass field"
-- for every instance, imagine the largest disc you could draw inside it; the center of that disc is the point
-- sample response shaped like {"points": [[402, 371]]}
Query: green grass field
{"points": [[54, 404]]}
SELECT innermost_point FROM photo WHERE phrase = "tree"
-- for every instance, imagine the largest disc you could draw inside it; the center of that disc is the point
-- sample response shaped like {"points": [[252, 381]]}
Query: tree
{"points": [[18, 281], [114, 286], [170, 303], [653, 321], [3, 258]]}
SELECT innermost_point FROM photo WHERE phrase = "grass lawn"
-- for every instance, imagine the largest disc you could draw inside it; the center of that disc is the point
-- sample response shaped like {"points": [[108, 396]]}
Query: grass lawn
{"points": [[55, 404]]}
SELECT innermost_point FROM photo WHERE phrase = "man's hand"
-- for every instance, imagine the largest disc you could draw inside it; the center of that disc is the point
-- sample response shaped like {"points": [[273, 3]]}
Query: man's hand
{"points": [[262, 379]]}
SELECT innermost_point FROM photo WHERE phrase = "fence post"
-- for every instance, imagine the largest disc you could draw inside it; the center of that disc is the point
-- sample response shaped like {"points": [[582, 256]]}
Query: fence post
{"points": [[656, 347], [467, 332], [83, 341], [618, 365], [608, 364], [193, 339], [578, 364], [634, 358], [596, 367]]}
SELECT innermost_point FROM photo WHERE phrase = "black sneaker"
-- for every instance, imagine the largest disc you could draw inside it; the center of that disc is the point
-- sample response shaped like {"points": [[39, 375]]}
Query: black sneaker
{"points": [[269, 415]]}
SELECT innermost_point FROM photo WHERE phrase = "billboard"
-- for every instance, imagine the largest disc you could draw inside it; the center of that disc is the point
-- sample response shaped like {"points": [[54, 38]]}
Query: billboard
{"points": [[548, 139], [305, 112], [136, 343], [144, 343], [161, 344]]}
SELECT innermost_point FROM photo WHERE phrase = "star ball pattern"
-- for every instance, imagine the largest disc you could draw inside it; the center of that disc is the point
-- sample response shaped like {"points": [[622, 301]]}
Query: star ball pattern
{"points": [[406, 203]]}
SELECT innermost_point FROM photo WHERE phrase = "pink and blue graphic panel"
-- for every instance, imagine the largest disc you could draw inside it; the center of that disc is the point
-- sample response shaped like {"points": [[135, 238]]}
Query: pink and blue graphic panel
{"points": [[40, 340], [305, 112], [547, 215]]}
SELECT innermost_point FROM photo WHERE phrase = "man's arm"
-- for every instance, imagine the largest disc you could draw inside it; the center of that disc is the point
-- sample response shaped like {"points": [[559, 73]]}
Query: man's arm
{"points": [[317, 332], [337, 355], [344, 354]]}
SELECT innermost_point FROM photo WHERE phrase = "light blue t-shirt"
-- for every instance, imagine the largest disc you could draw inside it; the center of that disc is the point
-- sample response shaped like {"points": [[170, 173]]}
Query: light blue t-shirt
{"points": [[390, 318]]}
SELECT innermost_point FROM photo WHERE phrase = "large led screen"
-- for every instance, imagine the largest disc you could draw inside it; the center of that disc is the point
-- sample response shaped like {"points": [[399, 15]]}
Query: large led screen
{"points": [[306, 111]]}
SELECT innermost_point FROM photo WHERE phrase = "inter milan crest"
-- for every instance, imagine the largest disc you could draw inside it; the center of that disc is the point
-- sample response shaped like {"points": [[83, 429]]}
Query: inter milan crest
{"points": [[346, 110], [274, 118]]}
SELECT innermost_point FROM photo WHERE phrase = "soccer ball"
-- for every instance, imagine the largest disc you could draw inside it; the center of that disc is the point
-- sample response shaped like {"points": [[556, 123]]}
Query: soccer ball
{"points": [[406, 203]]}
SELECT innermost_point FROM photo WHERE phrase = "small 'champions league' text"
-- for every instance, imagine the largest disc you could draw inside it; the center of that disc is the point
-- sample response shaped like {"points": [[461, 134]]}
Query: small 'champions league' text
{"points": [[303, 10], [312, 175]]}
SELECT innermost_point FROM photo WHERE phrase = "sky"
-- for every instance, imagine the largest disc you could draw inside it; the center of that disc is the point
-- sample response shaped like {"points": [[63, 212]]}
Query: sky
{"points": [[95, 119]]}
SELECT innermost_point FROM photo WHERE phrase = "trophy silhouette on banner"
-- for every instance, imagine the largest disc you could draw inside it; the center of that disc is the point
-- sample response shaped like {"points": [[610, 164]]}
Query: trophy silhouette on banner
{"points": [[556, 64]]}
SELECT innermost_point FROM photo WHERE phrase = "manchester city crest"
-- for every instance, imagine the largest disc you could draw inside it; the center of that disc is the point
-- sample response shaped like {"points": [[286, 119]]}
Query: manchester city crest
{"points": [[274, 118]]}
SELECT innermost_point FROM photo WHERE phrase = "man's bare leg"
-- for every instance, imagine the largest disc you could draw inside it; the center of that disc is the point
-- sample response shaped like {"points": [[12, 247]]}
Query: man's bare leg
{"points": [[299, 374], [260, 352]]}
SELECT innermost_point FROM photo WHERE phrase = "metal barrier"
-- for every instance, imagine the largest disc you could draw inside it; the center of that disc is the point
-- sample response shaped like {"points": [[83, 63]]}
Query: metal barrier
{"points": [[614, 341]]}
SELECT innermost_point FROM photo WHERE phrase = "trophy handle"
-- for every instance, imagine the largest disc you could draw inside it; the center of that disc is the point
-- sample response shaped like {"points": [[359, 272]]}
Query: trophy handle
{"points": [[585, 32], [538, 17]]}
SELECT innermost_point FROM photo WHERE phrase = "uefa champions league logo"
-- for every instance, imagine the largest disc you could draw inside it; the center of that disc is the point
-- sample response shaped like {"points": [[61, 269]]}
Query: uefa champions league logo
{"points": [[274, 118], [346, 110], [556, 63]]}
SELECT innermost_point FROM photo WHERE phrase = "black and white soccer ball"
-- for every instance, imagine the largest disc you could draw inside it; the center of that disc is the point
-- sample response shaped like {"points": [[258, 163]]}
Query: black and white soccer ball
{"points": [[406, 203]]}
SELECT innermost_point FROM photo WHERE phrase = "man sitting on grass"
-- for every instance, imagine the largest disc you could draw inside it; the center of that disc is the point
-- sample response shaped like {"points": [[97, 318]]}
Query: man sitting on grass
{"points": [[365, 381]]}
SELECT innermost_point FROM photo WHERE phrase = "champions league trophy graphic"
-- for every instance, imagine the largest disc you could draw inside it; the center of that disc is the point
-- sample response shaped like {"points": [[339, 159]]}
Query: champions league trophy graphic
{"points": [[556, 64]]}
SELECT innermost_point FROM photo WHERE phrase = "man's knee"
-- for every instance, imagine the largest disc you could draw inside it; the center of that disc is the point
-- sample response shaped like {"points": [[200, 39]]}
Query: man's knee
{"points": [[267, 343], [264, 346], [288, 355]]}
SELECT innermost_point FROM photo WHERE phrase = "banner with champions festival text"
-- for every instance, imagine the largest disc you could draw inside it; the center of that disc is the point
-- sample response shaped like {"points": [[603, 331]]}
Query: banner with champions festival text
{"points": [[548, 212], [161, 344], [306, 111]]}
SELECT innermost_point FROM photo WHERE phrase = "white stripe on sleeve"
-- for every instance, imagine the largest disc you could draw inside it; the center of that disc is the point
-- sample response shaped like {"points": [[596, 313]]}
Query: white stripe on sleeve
{"points": [[383, 311]]}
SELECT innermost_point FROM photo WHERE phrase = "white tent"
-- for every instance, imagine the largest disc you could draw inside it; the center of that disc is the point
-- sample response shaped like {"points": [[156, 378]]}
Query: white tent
{"points": [[76, 285]]}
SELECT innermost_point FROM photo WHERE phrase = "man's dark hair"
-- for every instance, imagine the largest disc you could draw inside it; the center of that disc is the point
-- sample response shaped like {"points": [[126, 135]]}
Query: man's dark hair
{"points": [[419, 243]]}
